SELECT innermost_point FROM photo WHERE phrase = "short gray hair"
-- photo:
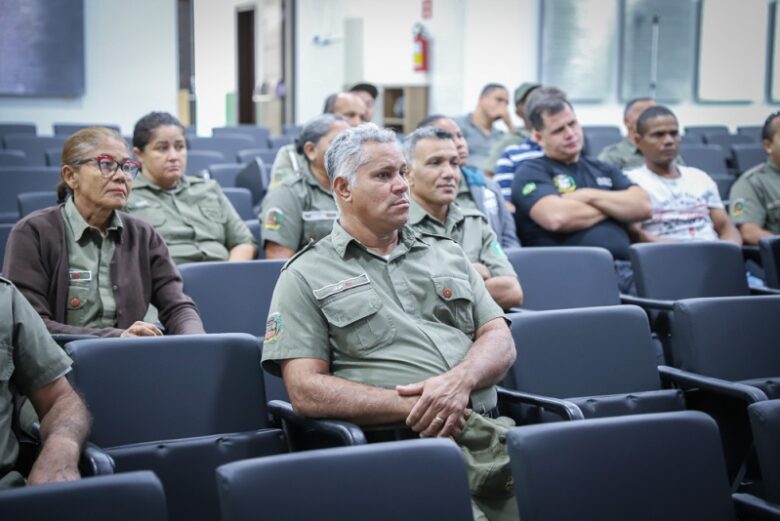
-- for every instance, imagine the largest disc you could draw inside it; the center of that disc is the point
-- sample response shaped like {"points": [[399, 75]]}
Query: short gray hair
{"points": [[315, 130], [345, 154], [410, 143], [544, 100]]}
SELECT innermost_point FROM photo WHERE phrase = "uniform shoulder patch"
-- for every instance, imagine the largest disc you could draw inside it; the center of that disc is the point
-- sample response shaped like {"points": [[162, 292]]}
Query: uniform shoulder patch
{"points": [[273, 219], [737, 208]]}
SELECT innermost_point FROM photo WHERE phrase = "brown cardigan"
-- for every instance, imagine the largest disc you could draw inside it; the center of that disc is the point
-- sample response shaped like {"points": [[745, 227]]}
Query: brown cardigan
{"points": [[36, 260]]}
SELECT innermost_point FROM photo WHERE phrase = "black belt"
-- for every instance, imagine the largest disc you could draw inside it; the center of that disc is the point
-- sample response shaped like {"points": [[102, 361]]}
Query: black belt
{"points": [[402, 432]]}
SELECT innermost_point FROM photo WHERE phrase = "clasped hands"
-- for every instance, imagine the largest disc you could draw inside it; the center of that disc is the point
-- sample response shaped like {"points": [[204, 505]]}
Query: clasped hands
{"points": [[441, 407]]}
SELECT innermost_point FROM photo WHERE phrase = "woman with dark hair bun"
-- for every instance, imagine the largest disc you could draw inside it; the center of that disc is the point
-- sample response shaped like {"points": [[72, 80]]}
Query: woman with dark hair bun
{"points": [[85, 266], [192, 214]]}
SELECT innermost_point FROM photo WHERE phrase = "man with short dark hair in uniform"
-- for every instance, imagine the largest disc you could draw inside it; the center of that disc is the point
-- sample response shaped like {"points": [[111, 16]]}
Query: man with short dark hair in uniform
{"points": [[755, 197], [434, 176], [378, 324], [564, 199], [33, 365], [624, 154]]}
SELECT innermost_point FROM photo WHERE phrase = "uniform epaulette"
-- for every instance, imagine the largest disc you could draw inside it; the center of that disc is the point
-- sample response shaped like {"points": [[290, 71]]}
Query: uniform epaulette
{"points": [[424, 233], [309, 245], [472, 212]]}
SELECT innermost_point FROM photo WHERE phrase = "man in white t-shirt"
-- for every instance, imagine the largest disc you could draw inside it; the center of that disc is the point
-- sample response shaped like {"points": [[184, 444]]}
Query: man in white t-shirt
{"points": [[685, 200]]}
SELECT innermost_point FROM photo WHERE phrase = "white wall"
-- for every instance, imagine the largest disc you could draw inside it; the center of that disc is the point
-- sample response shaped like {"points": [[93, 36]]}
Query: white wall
{"points": [[131, 68]]}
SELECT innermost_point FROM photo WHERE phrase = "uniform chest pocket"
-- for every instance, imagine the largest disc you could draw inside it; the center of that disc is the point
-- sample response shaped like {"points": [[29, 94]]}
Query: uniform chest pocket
{"points": [[77, 305], [153, 214], [357, 323], [213, 212], [454, 303], [6, 362]]}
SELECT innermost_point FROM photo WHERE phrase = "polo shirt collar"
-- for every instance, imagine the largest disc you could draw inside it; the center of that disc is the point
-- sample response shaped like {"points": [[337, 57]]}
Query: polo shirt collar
{"points": [[79, 226]]}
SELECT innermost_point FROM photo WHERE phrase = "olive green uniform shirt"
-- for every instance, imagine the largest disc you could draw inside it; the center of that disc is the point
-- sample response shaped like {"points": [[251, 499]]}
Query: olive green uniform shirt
{"points": [[470, 229], [29, 359], [91, 301], [510, 138], [464, 198], [755, 197], [195, 218], [379, 321], [287, 163], [298, 211]]}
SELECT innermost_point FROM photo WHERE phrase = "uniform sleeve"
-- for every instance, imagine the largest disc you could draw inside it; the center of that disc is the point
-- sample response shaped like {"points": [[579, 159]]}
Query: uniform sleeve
{"points": [[280, 219], [531, 183], [296, 327], [236, 231], [493, 256], [745, 204], [37, 359], [176, 310], [283, 166], [611, 156], [484, 307]]}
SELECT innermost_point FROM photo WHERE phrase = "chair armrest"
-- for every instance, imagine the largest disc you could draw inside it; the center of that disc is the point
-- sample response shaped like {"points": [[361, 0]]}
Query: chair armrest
{"points": [[687, 380], [750, 252], [95, 462], [347, 432], [752, 507], [64, 338], [562, 408], [759, 290], [647, 302]]}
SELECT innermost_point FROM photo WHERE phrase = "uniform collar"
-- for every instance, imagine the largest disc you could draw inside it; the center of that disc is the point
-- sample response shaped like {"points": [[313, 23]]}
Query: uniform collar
{"points": [[340, 239], [418, 214], [141, 182], [308, 176], [79, 226], [772, 166]]}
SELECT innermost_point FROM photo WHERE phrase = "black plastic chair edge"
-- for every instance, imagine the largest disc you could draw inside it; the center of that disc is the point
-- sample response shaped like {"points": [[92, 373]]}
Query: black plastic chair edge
{"points": [[347, 432], [687, 380], [564, 409], [760, 290], [95, 462], [647, 303], [749, 506]]}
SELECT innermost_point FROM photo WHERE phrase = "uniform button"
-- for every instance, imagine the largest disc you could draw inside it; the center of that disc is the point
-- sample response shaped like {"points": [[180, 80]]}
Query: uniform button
{"points": [[115, 287], [446, 293], [74, 302]]}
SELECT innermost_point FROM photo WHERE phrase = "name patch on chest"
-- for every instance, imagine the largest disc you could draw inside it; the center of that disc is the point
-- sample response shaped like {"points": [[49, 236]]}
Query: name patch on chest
{"points": [[79, 275], [337, 287], [321, 215], [604, 181]]}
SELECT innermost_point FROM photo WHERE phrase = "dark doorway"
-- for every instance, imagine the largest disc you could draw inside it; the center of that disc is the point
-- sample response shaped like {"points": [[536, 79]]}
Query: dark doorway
{"points": [[246, 65]]}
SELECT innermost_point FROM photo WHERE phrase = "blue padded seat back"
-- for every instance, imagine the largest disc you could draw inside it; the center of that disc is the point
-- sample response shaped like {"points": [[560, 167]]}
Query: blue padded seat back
{"points": [[732, 338], [673, 271], [413, 480], [765, 423], [565, 277], [644, 467], [584, 352], [161, 388]]}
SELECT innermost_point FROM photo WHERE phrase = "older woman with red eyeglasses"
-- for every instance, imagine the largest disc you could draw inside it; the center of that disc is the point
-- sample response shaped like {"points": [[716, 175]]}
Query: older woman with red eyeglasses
{"points": [[85, 266]]}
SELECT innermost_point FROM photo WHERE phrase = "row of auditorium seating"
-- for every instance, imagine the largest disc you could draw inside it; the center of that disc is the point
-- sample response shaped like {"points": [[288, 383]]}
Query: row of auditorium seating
{"points": [[660, 466]]}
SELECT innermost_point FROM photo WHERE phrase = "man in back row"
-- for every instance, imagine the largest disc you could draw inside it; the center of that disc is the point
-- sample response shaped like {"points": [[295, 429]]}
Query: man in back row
{"points": [[379, 324], [564, 199], [288, 161], [478, 126], [625, 155], [755, 197], [686, 202]]}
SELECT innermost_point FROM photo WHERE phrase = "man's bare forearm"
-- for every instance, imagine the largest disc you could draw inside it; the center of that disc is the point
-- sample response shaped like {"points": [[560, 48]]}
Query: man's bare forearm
{"points": [[317, 395], [489, 357], [505, 290]]}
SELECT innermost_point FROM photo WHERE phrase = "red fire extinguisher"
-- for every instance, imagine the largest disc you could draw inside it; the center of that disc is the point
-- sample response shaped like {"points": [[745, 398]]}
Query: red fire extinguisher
{"points": [[421, 43]]}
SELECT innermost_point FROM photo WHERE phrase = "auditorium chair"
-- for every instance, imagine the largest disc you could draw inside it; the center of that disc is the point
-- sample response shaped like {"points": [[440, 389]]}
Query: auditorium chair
{"points": [[260, 135], [66, 129], [17, 180], [278, 142], [228, 145], [291, 130], [416, 480], [565, 277], [225, 173], [28, 202], [34, 147], [199, 161], [255, 178], [595, 143], [709, 158], [13, 158], [241, 199], [746, 156], [769, 248], [131, 496], [17, 128], [266, 155], [703, 130], [765, 424], [5, 231], [726, 142], [754, 131], [179, 406], [643, 467]]}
